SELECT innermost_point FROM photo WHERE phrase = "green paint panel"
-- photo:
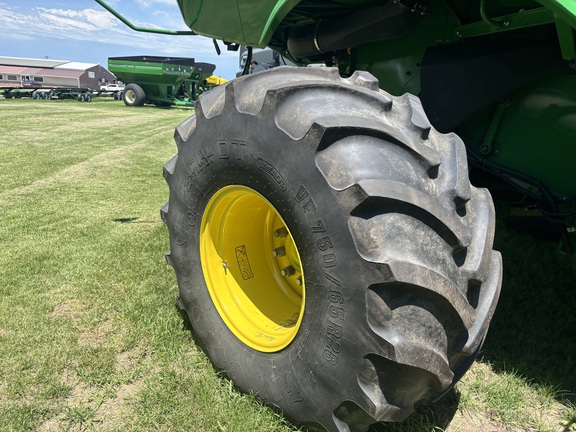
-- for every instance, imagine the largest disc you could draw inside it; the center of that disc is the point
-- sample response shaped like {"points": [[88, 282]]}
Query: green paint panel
{"points": [[396, 62], [218, 19], [252, 12], [250, 22], [536, 134], [565, 9]]}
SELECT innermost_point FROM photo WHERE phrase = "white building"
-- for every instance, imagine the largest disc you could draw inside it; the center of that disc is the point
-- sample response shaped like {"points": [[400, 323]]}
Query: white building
{"points": [[52, 73]]}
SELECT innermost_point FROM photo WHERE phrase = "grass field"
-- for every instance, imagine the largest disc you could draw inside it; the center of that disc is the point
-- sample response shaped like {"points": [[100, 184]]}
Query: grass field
{"points": [[90, 338]]}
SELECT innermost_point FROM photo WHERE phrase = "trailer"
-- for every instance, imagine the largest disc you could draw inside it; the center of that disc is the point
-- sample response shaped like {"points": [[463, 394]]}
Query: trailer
{"points": [[81, 94], [162, 81], [18, 92]]}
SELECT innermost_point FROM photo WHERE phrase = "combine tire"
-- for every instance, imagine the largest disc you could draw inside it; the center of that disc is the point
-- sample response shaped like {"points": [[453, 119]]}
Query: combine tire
{"points": [[330, 252], [133, 95]]}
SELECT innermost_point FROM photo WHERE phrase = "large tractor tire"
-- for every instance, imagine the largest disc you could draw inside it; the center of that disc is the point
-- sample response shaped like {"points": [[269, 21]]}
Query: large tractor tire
{"points": [[330, 252], [134, 95]]}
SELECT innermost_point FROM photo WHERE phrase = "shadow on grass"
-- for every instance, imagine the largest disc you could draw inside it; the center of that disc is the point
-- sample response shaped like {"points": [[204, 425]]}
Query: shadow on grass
{"points": [[533, 330], [125, 220], [135, 220]]}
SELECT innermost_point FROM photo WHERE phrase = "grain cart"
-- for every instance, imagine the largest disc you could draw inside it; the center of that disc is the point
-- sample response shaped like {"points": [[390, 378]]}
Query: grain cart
{"points": [[162, 81], [330, 251]]}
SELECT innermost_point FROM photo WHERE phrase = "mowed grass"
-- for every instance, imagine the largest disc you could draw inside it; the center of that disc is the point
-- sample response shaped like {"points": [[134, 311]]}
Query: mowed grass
{"points": [[89, 335], [90, 338]]}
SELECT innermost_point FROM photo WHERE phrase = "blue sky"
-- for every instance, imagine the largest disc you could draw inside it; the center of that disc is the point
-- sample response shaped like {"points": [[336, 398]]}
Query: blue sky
{"points": [[83, 31]]}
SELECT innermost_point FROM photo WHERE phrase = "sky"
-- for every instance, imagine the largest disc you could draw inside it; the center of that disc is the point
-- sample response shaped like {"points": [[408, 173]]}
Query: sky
{"points": [[83, 31]]}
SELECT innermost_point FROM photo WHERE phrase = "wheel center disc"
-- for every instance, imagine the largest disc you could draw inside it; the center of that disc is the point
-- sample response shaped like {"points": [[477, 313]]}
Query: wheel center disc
{"points": [[252, 268], [130, 95]]}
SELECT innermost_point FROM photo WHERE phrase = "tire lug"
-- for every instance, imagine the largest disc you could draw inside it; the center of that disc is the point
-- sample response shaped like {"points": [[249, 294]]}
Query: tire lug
{"points": [[279, 252], [288, 271], [280, 232]]}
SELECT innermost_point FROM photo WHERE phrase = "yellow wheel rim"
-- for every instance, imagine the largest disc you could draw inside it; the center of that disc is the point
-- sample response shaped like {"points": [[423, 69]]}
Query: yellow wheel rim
{"points": [[252, 268]]}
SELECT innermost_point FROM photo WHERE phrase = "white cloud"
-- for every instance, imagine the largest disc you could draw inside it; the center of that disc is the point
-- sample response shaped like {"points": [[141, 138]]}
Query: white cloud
{"points": [[66, 19], [89, 26]]}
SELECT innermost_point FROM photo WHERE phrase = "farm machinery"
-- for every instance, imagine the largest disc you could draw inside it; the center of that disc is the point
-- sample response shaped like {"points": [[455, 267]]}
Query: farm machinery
{"points": [[330, 251], [162, 81], [81, 94]]}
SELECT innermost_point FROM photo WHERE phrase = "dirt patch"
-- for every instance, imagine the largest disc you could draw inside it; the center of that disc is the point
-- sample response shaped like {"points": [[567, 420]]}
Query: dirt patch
{"points": [[108, 413], [109, 405], [50, 425], [113, 410], [69, 309], [128, 360], [98, 336]]}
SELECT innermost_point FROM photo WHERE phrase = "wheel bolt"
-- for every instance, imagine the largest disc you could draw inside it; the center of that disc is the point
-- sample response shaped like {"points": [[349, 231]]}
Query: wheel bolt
{"points": [[278, 252], [299, 281], [281, 232], [287, 271]]}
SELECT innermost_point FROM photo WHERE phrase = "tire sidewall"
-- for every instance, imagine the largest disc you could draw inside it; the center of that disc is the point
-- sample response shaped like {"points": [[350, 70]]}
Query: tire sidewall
{"points": [[284, 172]]}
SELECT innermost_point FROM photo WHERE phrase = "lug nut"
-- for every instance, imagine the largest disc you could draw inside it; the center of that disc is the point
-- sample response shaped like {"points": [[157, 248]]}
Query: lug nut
{"points": [[299, 281], [281, 232], [287, 271], [278, 252]]}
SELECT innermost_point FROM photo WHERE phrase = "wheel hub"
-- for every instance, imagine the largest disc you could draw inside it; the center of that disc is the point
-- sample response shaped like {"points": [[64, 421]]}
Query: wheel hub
{"points": [[130, 96]]}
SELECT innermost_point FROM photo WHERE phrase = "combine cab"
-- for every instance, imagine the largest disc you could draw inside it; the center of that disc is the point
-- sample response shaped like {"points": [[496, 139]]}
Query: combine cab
{"points": [[162, 81]]}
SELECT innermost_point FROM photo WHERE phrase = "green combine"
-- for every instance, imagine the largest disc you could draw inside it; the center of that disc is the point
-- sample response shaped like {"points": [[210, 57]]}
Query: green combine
{"points": [[330, 251], [162, 81]]}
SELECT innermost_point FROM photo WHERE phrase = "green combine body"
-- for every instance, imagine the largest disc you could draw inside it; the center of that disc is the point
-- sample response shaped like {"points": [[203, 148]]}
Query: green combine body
{"points": [[160, 80], [500, 73], [331, 253]]}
